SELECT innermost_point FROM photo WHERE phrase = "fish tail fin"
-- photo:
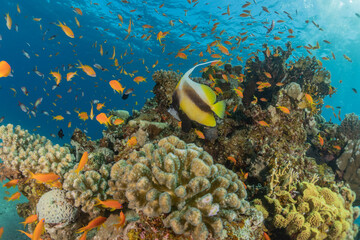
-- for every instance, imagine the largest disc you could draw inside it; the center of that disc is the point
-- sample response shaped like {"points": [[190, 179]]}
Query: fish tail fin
{"points": [[77, 171], [219, 109], [7, 198], [99, 202], [31, 177]]}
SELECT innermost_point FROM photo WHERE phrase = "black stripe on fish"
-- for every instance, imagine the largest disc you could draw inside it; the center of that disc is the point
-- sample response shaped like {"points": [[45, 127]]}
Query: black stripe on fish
{"points": [[195, 98]]}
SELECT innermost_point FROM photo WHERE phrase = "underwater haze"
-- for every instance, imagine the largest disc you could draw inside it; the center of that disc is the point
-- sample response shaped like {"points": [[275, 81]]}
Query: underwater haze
{"points": [[120, 41]]}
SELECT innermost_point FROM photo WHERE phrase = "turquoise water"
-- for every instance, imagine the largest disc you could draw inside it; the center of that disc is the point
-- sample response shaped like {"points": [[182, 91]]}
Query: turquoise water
{"points": [[101, 25]]}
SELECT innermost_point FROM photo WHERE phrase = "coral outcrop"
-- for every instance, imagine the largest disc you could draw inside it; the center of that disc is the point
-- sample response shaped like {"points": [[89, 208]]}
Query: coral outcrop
{"points": [[349, 166], [180, 179], [349, 128], [55, 209], [306, 211], [84, 187], [27, 152]]}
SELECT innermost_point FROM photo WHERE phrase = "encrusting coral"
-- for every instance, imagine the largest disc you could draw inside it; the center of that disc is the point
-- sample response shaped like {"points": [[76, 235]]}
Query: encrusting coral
{"points": [[180, 179]]}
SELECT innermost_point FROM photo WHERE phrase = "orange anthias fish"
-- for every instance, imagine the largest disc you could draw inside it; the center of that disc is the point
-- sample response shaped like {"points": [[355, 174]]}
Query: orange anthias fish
{"points": [[87, 69], [13, 197], [66, 29], [1, 231], [58, 118], [181, 55], [99, 106], [116, 86], [91, 112], [321, 140], [132, 141], [5, 69], [284, 109], [122, 219], [199, 134], [103, 119], [39, 229], [30, 219], [309, 99], [57, 77], [44, 177], [8, 21], [337, 147], [139, 79], [112, 204], [83, 116], [118, 121], [11, 183], [84, 159], [263, 123], [27, 234], [70, 75], [97, 222], [232, 159]]}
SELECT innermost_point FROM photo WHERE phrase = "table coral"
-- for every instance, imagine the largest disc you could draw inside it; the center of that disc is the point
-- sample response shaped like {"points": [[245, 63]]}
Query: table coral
{"points": [[306, 211], [179, 179], [26, 152]]}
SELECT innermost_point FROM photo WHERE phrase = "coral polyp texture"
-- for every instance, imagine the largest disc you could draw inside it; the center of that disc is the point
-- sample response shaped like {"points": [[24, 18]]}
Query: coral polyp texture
{"points": [[181, 180], [306, 211], [54, 208], [27, 152], [84, 187]]}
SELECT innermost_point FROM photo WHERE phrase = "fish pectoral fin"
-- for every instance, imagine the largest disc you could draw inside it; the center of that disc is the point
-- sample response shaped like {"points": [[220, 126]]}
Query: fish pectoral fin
{"points": [[219, 109], [209, 93]]}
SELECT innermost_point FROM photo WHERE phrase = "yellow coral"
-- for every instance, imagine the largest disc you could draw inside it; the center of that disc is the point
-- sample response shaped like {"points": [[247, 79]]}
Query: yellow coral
{"points": [[315, 219]]}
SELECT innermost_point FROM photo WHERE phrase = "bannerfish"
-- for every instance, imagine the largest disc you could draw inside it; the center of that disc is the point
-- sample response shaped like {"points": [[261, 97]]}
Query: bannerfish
{"points": [[196, 102]]}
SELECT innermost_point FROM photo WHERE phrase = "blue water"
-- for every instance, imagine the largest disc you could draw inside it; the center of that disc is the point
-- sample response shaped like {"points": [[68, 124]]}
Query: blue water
{"points": [[337, 19]]}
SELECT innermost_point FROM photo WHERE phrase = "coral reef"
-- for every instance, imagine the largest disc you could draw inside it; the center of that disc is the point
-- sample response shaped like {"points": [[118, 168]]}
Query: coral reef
{"points": [[181, 180], [178, 185]]}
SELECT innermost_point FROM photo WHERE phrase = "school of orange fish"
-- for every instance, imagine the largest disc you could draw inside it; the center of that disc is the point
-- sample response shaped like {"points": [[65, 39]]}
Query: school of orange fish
{"points": [[220, 46]]}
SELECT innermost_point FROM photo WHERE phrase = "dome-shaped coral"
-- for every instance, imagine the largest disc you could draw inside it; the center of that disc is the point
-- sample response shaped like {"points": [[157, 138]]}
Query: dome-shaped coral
{"points": [[54, 207], [180, 179]]}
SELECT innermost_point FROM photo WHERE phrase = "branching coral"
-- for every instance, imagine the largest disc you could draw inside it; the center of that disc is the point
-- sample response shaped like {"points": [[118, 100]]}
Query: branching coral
{"points": [[181, 180]]}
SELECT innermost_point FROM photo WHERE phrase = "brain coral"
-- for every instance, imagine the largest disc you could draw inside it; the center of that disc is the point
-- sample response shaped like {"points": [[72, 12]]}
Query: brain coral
{"points": [[55, 208], [180, 180], [26, 152], [308, 211]]}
